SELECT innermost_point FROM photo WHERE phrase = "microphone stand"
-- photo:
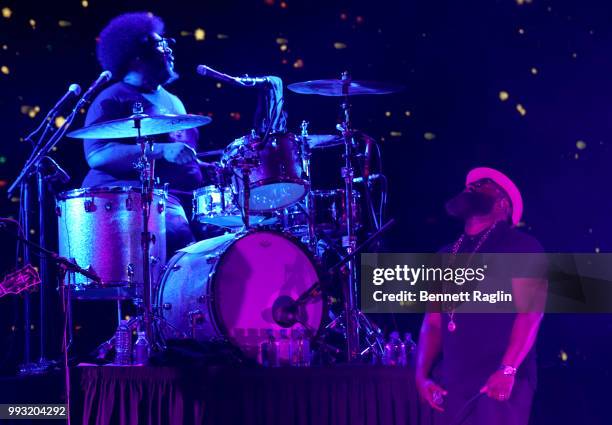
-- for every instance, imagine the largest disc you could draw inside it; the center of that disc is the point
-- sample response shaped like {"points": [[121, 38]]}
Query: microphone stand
{"points": [[64, 266], [33, 167]]}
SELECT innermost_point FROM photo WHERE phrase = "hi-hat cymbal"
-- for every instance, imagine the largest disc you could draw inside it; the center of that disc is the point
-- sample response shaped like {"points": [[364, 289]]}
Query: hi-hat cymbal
{"points": [[343, 88], [149, 125]]}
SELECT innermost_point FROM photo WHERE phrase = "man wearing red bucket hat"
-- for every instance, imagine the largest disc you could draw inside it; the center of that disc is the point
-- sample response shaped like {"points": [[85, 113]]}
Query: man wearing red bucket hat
{"points": [[486, 371]]}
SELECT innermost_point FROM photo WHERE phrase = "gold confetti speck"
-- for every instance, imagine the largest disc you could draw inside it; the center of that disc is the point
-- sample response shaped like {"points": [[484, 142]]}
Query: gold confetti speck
{"points": [[395, 134], [283, 47], [85, 3], [534, 70], [281, 40], [59, 121], [64, 24], [298, 63], [5, 70], [504, 95], [199, 34], [388, 114], [338, 45], [7, 12], [32, 231], [218, 85], [563, 356], [429, 135], [580, 144], [32, 23], [408, 113], [521, 109], [185, 33], [521, 31]]}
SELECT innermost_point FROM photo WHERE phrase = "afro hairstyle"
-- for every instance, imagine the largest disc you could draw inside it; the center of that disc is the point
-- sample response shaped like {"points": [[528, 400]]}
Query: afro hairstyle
{"points": [[122, 40]]}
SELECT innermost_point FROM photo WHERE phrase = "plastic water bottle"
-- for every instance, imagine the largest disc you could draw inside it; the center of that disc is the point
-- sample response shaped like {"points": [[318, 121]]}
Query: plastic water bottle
{"points": [[300, 349], [410, 345], [123, 344], [141, 349], [269, 351], [284, 348], [395, 351]]}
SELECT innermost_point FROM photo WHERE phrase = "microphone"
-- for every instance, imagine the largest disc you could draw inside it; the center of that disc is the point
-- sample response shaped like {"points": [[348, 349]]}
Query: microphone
{"points": [[104, 77], [206, 71], [73, 90], [58, 173]]}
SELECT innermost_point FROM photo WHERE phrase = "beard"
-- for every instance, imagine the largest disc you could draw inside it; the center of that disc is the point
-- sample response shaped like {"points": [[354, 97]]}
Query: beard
{"points": [[469, 204], [161, 69]]}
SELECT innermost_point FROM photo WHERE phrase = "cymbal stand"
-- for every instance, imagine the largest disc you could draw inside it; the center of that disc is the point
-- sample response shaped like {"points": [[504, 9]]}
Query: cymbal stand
{"points": [[147, 172], [308, 200], [350, 239], [246, 195]]}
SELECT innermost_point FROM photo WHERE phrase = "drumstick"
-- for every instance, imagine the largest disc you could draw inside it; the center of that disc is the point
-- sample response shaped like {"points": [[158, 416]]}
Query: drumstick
{"points": [[210, 153], [205, 164]]}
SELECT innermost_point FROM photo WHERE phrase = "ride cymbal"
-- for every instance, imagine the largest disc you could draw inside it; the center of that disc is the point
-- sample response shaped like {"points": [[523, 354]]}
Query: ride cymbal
{"points": [[149, 125]]}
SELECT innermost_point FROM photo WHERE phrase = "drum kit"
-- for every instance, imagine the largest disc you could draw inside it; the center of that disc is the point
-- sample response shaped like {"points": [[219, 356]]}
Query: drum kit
{"points": [[264, 274]]}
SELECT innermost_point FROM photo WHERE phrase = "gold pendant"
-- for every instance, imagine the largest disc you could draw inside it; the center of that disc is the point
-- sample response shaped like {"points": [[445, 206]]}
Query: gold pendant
{"points": [[452, 326]]}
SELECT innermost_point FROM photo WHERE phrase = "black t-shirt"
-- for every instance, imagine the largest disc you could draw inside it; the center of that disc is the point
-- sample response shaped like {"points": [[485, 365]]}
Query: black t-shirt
{"points": [[476, 348], [116, 102]]}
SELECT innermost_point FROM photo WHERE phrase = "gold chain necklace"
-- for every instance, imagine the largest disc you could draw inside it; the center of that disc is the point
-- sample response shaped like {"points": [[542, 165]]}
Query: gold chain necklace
{"points": [[452, 325]]}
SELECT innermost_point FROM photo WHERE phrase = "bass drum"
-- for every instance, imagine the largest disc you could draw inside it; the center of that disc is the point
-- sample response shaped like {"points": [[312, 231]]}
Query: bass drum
{"points": [[225, 288]]}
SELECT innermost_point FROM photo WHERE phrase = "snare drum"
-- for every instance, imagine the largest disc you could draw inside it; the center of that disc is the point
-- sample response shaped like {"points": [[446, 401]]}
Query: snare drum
{"points": [[216, 205], [276, 176], [101, 228]]}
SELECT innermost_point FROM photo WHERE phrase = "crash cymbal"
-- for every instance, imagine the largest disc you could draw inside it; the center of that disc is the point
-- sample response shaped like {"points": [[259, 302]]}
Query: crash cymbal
{"points": [[343, 88], [319, 141], [149, 126]]}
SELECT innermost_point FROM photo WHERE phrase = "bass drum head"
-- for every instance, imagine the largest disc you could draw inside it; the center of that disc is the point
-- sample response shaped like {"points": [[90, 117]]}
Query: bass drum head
{"points": [[226, 287], [251, 275]]}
